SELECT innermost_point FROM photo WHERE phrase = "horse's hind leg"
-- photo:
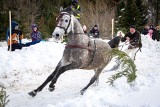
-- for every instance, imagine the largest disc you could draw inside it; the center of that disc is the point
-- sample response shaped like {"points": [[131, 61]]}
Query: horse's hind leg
{"points": [[93, 79]]}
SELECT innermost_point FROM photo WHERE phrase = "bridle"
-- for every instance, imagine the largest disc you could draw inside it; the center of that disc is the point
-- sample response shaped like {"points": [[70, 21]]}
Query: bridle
{"points": [[63, 27], [66, 28]]}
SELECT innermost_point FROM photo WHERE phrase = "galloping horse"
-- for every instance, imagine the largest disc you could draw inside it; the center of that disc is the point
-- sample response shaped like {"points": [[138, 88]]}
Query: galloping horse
{"points": [[80, 52]]}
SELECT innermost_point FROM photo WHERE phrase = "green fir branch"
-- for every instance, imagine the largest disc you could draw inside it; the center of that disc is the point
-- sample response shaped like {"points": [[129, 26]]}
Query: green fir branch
{"points": [[3, 97], [127, 66]]}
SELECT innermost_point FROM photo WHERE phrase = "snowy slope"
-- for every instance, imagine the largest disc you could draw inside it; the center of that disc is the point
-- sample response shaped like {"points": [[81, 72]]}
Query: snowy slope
{"points": [[23, 70]]}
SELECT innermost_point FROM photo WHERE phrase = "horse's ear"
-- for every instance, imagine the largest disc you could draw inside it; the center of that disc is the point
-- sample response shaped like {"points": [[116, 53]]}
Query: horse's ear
{"points": [[61, 8]]}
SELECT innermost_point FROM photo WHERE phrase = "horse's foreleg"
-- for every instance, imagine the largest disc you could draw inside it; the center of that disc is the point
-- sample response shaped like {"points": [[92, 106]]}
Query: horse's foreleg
{"points": [[34, 92], [60, 71]]}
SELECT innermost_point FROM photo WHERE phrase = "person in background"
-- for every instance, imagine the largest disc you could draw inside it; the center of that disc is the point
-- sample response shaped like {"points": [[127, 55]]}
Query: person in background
{"points": [[35, 35], [133, 37], [152, 27], [94, 31], [145, 30], [153, 33], [158, 32], [85, 29], [150, 34], [16, 37]]}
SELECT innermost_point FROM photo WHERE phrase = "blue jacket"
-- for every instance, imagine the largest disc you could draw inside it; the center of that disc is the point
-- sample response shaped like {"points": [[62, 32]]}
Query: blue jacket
{"points": [[36, 36]]}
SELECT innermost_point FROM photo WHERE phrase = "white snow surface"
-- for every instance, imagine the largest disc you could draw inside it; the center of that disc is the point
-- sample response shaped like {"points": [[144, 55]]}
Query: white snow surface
{"points": [[24, 70]]}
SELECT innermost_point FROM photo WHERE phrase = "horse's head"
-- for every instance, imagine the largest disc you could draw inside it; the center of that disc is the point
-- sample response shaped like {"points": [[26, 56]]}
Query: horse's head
{"points": [[63, 25]]}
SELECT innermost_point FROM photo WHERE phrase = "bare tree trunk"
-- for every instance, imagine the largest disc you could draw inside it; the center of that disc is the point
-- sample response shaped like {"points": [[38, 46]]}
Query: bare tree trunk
{"points": [[100, 14]]}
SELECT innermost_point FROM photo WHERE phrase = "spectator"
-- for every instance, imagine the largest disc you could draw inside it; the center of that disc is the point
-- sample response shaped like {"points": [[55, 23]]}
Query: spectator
{"points": [[35, 35], [158, 30], [156, 34], [152, 27], [16, 37], [95, 32], [145, 30], [85, 29], [150, 34]]}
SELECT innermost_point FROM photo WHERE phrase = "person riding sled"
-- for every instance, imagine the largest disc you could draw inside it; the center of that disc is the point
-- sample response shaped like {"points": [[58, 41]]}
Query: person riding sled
{"points": [[134, 39], [16, 37]]}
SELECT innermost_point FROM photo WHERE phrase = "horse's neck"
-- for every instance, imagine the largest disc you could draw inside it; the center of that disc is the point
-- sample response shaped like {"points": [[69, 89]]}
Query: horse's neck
{"points": [[77, 36], [77, 28]]}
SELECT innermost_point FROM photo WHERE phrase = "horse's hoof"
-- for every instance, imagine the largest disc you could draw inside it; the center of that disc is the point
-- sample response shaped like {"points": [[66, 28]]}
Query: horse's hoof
{"points": [[82, 91], [51, 89], [32, 93]]}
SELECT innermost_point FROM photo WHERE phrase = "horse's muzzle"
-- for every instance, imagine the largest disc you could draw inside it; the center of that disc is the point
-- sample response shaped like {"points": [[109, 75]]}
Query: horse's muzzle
{"points": [[55, 35]]}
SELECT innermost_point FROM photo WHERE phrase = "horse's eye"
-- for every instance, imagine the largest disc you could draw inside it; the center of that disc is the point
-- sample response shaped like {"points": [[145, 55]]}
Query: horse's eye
{"points": [[66, 21]]}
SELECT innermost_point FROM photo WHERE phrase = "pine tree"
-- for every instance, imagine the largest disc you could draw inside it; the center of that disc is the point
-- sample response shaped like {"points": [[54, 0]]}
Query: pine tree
{"points": [[49, 10], [3, 19], [118, 15], [143, 13], [131, 15]]}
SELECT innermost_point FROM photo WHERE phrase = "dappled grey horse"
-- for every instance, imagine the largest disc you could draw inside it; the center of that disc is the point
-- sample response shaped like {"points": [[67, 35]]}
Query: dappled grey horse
{"points": [[80, 52]]}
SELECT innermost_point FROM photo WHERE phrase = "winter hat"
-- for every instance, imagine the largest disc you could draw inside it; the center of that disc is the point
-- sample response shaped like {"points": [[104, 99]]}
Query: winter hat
{"points": [[95, 25], [34, 25], [132, 26], [14, 24]]}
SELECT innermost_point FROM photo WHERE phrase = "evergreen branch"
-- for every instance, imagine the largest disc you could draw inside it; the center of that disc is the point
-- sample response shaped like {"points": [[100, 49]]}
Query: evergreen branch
{"points": [[3, 97], [127, 65]]}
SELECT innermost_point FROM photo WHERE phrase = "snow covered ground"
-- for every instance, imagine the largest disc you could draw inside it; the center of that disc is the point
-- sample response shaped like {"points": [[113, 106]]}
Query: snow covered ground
{"points": [[23, 70]]}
